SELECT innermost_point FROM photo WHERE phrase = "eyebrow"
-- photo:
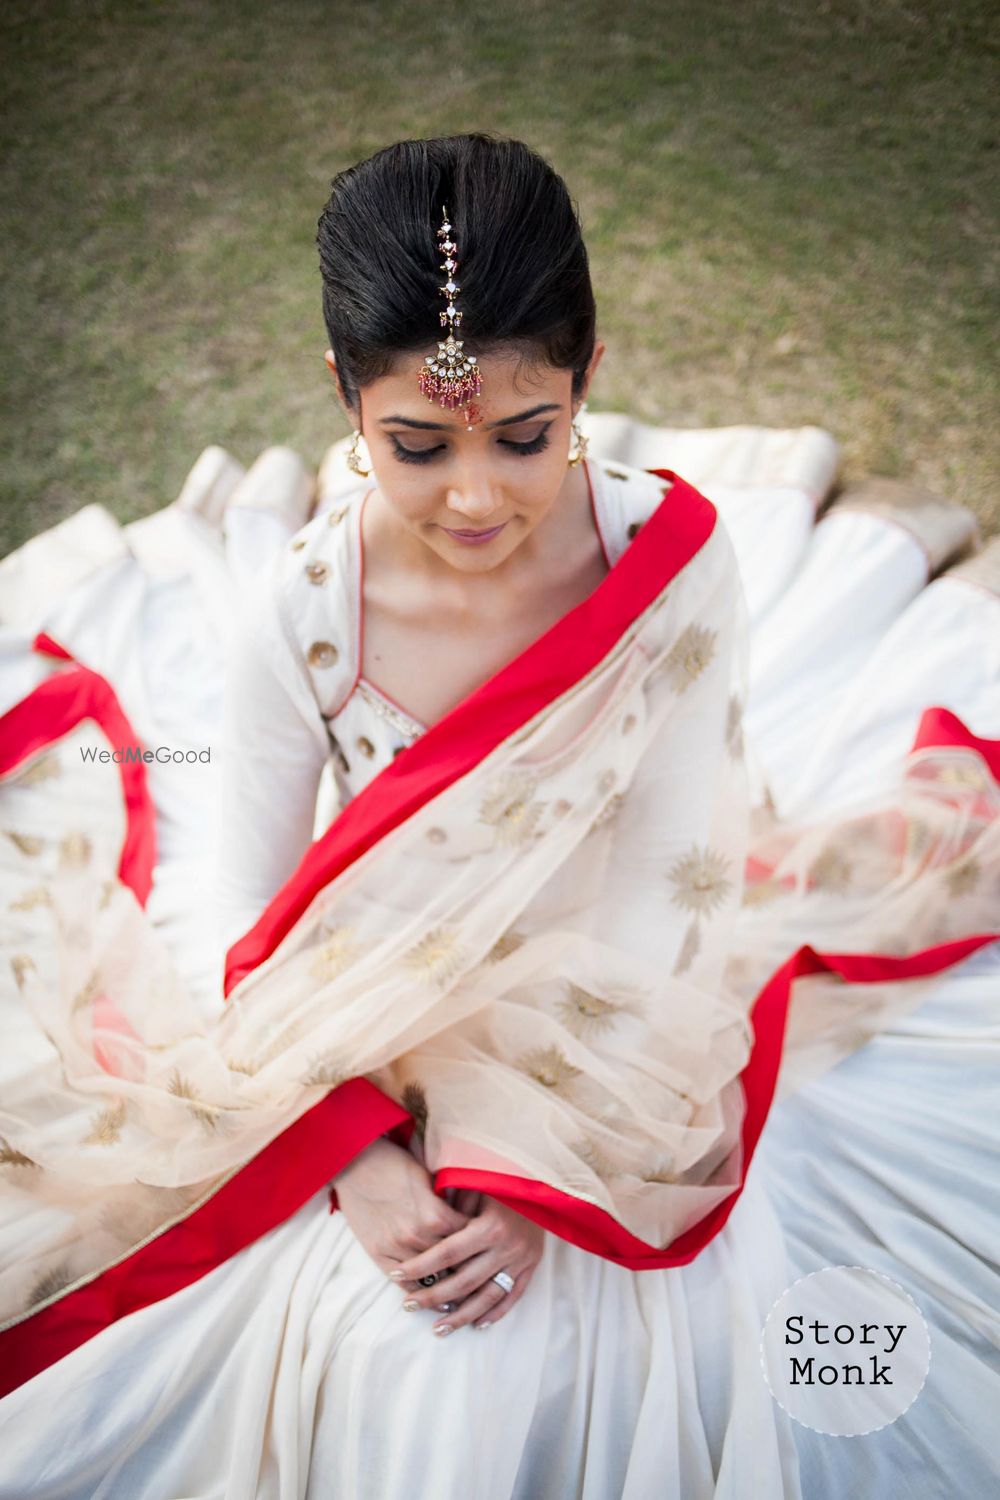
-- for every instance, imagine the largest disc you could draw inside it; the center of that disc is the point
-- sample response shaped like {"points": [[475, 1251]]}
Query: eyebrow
{"points": [[503, 422]]}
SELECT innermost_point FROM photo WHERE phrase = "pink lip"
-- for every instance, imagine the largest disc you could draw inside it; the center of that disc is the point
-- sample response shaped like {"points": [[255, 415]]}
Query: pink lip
{"points": [[475, 536]]}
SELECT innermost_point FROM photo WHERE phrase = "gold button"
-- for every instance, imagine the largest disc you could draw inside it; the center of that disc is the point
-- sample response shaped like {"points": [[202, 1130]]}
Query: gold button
{"points": [[298, 543], [365, 745], [317, 572], [322, 654], [436, 835]]}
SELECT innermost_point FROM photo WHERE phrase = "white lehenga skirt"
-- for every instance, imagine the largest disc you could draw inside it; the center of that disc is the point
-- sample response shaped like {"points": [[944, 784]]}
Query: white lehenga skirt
{"points": [[291, 1371]]}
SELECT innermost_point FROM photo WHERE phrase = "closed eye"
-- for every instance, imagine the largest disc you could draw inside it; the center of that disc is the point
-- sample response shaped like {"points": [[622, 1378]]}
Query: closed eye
{"points": [[424, 455]]}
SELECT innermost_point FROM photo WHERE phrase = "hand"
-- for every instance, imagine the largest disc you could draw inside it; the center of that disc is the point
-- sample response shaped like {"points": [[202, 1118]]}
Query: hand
{"points": [[389, 1201], [497, 1239]]}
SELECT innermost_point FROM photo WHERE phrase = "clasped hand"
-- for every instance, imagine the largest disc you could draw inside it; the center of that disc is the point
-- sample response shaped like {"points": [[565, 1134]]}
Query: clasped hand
{"points": [[390, 1204]]}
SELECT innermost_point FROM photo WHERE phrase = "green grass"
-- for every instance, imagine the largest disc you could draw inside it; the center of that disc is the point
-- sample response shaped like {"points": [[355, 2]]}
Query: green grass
{"points": [[789, 209]]}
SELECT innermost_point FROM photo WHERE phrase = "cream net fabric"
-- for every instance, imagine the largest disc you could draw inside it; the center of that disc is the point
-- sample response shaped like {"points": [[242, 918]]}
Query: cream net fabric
{"points": [[550, 964]]}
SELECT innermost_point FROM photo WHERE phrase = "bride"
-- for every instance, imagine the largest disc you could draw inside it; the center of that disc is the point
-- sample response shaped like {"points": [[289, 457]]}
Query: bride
{"points": [[576, 832]]}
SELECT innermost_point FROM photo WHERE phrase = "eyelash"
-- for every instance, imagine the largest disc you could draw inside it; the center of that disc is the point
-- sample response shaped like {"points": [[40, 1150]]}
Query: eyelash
{"points": [[411, 456]]}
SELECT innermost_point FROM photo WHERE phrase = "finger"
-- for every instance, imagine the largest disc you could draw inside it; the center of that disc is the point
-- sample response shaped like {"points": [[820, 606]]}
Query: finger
{"points": [[450, 1251], [485, 1307]]}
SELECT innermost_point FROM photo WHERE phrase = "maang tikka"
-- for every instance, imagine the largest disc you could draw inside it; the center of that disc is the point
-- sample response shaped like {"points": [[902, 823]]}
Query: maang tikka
{"points": [[450, 377]]}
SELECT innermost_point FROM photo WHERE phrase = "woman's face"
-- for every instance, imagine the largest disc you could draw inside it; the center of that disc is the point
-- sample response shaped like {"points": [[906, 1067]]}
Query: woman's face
{"points": [[507, 472]]}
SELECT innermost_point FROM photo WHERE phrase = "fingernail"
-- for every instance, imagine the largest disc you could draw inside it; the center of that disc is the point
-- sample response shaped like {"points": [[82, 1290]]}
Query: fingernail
{"points": [[482, 1325], [411, 1306], [396, 1276], [443, 1328]]}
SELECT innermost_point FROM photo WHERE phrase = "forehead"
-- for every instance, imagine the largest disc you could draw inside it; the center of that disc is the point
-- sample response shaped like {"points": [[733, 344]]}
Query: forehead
{"points": [[511, 383]]}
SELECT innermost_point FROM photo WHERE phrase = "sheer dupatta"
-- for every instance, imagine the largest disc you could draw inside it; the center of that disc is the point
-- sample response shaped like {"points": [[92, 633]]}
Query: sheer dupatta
{"points": [[524, 948]]}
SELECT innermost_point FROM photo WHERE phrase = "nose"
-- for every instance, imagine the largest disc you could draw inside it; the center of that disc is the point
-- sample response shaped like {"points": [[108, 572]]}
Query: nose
{"points": [[474, 497]]}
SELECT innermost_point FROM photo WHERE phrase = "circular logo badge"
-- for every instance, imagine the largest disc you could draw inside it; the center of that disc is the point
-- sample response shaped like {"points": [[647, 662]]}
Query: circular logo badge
{"points": [[845, 1350]]}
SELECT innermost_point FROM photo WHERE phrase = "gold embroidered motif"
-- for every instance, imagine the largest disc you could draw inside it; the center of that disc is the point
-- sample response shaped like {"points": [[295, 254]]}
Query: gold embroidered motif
{"points": [[436, 835], [28, 843], [298, 543], [414, 1098], [23, 964], [317, 572], [49, 1283], [662, 1171], [75, 850], [325, 1071], [689, 948], [439, 955], [963, 773], [107, 1126], [690, 655], [336, 516], [511, 810], [830, 871], [87, 993], [614, 473], [551, 1067], [236, 1065], [507, 942], [610, 810], [43, 769], [596, 1158], [699, 876], [734, 726], [336, 953], [11, 1157], [205, 1114], [963, 876], [587, 1015], [37, 896], [322, 654], [918, 838]]}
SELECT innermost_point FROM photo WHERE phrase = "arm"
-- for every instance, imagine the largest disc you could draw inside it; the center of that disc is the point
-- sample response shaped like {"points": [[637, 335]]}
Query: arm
{"points": [[274, 748]]}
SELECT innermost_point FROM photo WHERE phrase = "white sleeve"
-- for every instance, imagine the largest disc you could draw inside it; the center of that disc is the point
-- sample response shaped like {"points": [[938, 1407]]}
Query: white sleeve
{"points": [[274, 748]]}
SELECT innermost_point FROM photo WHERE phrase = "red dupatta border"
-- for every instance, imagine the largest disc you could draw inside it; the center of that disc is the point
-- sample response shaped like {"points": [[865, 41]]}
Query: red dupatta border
{"points": [[275, 1183]]}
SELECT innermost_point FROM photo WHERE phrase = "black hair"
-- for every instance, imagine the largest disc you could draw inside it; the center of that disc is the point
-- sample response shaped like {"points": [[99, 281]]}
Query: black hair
{"points": [[523, 268]]}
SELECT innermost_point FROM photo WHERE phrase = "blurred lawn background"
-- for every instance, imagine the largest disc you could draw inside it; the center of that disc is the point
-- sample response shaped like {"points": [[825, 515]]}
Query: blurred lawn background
{"points": [[788, 206]]}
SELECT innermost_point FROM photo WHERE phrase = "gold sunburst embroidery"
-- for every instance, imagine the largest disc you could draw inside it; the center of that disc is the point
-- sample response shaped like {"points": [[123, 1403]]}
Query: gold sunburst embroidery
{"points": [[550, 1066], [107, 891], [38, 895], [87, 993], [49, 1283], [596, 1158], [414, 1098], [240, 1065], [28, 843], [689, 948], [43, 769], [325, 1070], [107, 1126], [75, 850], [508, 942], [439, 955], [700, 879], [734, 726], [512, 811], [11, 1157], [183, 1088], [831, 870], [690, 654], [587, 1014], [335, 954], [23, 964], [964, 876]]}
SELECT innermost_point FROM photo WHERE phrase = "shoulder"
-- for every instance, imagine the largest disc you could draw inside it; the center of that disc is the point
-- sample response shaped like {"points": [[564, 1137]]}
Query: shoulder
{"points": [[315, 584], [625, 497]]}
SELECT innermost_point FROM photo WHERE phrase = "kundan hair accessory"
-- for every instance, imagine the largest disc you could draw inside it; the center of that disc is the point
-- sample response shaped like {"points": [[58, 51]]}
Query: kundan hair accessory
{"points": [[450, 377]]}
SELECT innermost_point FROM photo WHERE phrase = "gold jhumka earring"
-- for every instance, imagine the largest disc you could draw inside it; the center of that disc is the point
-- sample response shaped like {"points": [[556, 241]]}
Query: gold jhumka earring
{"points": [[579, 437], [354, 457], [451, 377]]}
